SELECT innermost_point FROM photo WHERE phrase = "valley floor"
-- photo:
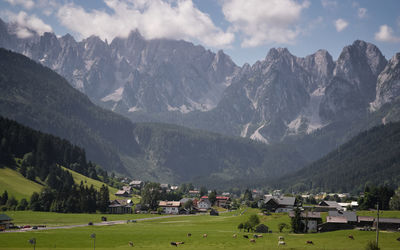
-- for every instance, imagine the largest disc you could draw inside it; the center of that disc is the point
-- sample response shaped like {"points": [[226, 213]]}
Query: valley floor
{"points": [[157, 234]]}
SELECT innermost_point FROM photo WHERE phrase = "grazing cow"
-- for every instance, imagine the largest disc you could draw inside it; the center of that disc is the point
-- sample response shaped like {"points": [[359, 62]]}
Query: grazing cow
{"points": [[398, 239], [234, 236], [281, 238], [252, 240], [281, 242], [189, 234], [255, 236], [310, 242], [204, 235], [245, 236], [177, 243], [351, 237], [130, 243]]}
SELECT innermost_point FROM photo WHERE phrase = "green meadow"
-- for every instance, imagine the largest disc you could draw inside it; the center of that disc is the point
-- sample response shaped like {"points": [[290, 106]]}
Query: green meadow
{"points": [[158, 233], [16, 184]]}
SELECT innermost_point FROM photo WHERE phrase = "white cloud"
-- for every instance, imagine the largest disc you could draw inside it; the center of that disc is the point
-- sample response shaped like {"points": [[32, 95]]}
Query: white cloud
{"points": [[27, 4], [26, 24], [385, 34], [340, 24], [153, 18], [362, 12], [261, 22], [329, 3]]}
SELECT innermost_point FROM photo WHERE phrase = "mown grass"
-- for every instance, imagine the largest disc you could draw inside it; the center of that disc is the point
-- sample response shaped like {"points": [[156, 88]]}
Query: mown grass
{"points": [[158, 234], [16, 184], [60, 219]]}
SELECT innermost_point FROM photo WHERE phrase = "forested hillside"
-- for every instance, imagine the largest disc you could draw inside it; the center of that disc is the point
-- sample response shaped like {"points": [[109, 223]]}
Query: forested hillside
{"points": [[371, 158]]}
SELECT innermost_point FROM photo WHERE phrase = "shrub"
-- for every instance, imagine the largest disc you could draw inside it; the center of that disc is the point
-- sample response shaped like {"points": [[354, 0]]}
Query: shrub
{"points": [[371, 245], [261, 229]]}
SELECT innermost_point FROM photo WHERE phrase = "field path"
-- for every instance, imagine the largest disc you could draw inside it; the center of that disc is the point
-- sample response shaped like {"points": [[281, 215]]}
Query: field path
{"points": [[104, 223]]}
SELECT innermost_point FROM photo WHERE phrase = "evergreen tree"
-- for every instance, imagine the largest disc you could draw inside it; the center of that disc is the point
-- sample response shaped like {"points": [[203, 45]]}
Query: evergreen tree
{"points": [[4, 198], [297, 225]]}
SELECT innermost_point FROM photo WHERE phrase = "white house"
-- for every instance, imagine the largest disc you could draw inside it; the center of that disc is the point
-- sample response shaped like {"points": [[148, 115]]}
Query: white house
{"points": [[204, 204], [170, 207]]}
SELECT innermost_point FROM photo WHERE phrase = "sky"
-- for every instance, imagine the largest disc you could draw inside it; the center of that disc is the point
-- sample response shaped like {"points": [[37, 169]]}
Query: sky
{"points": [[243, 29]]}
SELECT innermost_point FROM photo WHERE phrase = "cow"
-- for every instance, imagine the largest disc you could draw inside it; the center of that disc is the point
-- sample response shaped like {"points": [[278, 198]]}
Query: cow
{"points": [[189, 234], [310, 242], [351, 237], [130, 243], [177, 243], [252, 240], [398, 239], [245, 236], [281, 242], [204, 235], [234, 236], [259, 236], [281, 238], [255, 236]]}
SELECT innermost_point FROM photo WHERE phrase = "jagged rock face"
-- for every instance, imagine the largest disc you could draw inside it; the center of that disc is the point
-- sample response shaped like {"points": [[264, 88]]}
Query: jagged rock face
{"points": [[353, 85], [132, 74], [388, 87]]}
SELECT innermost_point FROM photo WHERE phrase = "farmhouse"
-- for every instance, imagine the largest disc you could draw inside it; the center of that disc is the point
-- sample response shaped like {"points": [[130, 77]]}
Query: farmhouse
{"points": [[311, 220], [170, 207], [222, 201], [120, 207], [122, 193], [5, 222], [334, 223], [349, 215], [280, 204], [204, 204], [325, 206]]}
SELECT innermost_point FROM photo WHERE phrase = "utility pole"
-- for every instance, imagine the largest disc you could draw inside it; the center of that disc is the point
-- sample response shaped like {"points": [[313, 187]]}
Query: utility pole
{"points": [[93, 236], [377, 225]]}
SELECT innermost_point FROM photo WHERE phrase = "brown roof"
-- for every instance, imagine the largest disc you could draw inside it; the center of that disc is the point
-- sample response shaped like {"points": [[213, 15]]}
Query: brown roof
{"points": [[169, 204], [336, 219]]}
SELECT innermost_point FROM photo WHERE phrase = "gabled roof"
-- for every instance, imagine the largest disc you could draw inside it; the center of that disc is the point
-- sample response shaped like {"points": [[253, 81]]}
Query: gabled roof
{"points": [[135, 182], [389, 220], [4, 217], [329, 204], [349, 215], [184, 200], [286, 201], [222, 198], [121, 192]]}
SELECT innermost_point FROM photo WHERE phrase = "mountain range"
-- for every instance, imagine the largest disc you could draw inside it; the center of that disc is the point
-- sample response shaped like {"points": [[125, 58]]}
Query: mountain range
{"points": [[308, 105], [38, 97]]}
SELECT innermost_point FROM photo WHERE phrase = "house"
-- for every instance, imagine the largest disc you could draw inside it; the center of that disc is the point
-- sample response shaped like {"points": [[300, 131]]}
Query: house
{"points": [[203, 204], [310, 220], [222, 201], [174, 188], [120, 207], [5, 222], [334, 223], [164, 186], [280, 204], [122, 193], [390, 224], [136, 184], [325, 206], [170, 207], [349, 215]]}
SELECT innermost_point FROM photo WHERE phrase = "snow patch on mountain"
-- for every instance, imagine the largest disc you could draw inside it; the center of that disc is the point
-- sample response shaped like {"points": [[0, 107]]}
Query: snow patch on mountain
{"points": [[116, 96], [257, 136]]}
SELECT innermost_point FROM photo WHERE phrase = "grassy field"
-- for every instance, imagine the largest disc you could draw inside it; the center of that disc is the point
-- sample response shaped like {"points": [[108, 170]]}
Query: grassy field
{"points": [[157, 234], [58, 219], [16, 184], [97, 185]]}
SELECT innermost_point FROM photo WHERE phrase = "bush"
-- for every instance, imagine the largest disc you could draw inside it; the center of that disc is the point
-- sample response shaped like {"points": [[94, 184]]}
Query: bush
{"points": [[371, 245], [261, 229], [214, 212]]}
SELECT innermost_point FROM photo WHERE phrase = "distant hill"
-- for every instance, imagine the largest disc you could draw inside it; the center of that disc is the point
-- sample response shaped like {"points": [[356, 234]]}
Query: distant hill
{"points": [[39, 98], [372, 157]]}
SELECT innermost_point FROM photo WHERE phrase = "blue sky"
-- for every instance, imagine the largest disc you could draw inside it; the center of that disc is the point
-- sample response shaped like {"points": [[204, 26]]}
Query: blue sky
{"points": [[244, 29]]}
